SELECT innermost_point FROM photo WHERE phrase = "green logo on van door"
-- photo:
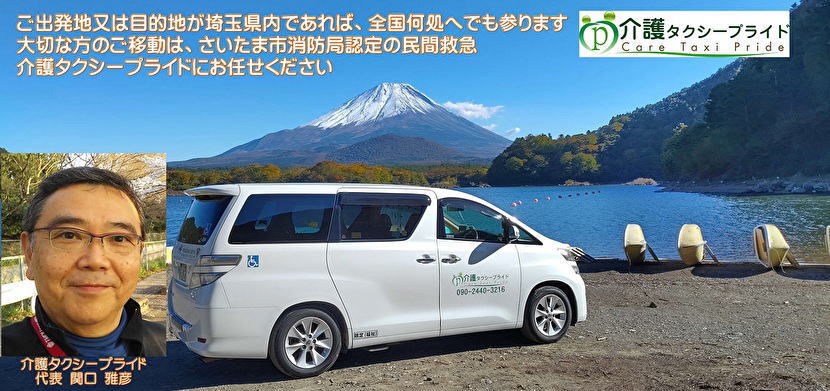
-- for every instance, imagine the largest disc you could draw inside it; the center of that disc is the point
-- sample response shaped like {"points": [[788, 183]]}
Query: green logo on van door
{"points": [[462, 278]]}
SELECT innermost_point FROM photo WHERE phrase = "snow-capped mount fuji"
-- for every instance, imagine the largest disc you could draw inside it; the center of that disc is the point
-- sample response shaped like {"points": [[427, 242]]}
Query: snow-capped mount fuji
{"points": [[386, 109], [384, 101]]}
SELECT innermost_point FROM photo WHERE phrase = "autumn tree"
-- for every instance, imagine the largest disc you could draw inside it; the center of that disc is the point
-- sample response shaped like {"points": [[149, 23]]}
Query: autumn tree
{"points": [[20, 174]]}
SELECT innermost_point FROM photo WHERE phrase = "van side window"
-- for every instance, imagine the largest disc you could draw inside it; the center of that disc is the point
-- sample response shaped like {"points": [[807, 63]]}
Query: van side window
{"points": [[467, 220], [526, 238], [281, 218], [378, 216]]}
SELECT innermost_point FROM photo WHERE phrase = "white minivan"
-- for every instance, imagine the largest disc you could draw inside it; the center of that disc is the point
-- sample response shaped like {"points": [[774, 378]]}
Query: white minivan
{"points": [[299, 272]]}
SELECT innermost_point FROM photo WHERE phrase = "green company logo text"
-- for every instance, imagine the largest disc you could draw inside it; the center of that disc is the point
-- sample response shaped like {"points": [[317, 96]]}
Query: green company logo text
{"points": [[656, 35]]}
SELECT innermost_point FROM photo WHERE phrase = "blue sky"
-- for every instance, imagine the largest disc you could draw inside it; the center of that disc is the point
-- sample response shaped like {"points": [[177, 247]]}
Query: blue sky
{"points": [[537, 78]]}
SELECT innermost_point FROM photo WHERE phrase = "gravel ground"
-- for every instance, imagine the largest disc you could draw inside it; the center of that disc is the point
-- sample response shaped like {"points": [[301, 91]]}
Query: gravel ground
{"points": [[660, 326]]}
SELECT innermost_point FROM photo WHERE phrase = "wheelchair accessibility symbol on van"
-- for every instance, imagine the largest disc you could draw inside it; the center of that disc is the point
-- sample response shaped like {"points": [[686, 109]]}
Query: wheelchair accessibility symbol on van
{"points": [[253, 260]]}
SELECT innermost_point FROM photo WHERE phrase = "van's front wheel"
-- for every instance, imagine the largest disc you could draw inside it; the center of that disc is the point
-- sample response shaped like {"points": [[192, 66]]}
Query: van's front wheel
{"points": [[547, 315], [305, 343]]}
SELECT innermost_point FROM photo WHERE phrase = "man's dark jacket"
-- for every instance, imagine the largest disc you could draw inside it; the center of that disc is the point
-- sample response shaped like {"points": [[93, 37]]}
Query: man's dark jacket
{"points": [[143, 338]]}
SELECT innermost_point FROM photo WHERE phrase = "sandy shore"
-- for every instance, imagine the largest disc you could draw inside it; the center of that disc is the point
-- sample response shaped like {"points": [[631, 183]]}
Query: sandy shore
{"points": [[659, 326]]}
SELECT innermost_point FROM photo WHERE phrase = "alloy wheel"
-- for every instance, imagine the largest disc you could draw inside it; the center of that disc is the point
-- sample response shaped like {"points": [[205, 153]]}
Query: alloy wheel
{"points": [[308, 343], [550, 315]]}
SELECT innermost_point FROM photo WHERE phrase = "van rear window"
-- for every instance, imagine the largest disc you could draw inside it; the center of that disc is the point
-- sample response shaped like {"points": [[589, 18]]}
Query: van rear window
{"points": [[281, 218], [202, 218]]}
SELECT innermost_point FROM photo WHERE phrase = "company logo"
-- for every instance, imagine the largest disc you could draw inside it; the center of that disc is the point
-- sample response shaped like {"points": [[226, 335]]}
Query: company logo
{"points": [[684, 34], [464, 279], [599, 36]]}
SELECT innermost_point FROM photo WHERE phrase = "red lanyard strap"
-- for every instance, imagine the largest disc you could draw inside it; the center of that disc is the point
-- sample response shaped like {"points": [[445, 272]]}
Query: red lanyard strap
{"points": [[51, 347]]}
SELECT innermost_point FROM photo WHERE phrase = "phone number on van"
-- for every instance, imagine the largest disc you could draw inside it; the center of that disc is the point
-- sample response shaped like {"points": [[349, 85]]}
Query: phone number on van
{"points": [[480, 290]]}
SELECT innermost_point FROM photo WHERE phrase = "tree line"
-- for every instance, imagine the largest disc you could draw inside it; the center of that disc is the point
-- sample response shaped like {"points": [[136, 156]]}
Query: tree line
{"points": [[444, 175]]}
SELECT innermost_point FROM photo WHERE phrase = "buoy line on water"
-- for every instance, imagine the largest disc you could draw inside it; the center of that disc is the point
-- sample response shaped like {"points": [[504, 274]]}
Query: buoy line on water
{"points": [[548, 198]]}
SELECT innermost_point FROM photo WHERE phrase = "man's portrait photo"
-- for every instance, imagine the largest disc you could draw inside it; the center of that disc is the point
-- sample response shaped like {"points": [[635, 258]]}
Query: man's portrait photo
{"points": [[84, 240]]}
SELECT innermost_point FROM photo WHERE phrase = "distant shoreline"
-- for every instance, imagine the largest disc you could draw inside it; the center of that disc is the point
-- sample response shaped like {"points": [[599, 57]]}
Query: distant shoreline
{"points": [[767, 186]]}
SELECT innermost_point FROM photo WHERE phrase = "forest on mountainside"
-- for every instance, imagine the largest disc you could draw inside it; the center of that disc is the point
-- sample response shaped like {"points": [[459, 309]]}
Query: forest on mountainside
{"points": [[769, 120], [544, 160], [628, 147]]}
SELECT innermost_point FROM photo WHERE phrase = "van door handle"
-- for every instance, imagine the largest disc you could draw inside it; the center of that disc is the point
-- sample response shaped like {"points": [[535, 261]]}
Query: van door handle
{"points": [[426, 259], [452, 258]]}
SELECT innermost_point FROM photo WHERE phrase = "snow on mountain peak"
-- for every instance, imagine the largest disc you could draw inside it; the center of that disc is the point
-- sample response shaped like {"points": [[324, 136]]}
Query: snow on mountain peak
{"points": [[383, 101]]}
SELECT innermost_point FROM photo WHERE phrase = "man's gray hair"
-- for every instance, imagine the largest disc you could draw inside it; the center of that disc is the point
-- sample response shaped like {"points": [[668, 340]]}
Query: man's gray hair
{"points": [[78, 175]]}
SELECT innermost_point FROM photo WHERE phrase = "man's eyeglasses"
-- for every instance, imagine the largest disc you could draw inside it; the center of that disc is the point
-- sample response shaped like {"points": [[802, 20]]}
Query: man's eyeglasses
{"points": [[76, 240]]}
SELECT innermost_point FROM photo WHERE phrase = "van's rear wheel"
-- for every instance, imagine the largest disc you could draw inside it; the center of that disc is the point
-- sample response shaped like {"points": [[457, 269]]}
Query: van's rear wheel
{"points": [[547, 315], [305, 343]]}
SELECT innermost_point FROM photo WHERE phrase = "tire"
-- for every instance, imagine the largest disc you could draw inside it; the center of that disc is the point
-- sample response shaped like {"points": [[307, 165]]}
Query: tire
{"points": [[305, 358], [551, 325]]}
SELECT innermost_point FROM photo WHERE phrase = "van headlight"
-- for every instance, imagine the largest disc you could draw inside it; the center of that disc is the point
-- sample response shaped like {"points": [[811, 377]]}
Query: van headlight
{"points": [[570, 258]]}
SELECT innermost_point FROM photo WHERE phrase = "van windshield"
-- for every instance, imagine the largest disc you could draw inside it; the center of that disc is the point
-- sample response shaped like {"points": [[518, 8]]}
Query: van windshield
{"points": [[202, 219]]}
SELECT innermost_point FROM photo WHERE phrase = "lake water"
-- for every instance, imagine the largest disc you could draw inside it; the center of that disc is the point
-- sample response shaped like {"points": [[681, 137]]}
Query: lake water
{"points": [[596, 221]]}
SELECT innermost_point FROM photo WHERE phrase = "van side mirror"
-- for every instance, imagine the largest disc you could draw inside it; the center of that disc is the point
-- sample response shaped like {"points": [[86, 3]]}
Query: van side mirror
{"points": [[513, 233]]}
